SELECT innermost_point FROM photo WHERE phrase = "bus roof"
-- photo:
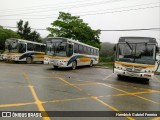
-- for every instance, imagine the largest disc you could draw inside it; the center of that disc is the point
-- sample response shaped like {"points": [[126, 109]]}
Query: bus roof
{"points": [[73, 41], [27, 41], [137, 39]]}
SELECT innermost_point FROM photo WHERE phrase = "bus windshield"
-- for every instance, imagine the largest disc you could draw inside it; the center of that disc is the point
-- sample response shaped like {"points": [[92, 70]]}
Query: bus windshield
{"points": [[63, 49], [142, 53], [50, 49], [11, 45]]}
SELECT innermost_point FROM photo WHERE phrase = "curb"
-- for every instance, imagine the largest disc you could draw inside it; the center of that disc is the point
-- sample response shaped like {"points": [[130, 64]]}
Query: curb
{"points": [[101, 67]]}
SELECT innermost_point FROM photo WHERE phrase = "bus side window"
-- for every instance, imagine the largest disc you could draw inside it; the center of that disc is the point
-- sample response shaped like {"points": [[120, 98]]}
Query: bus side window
{"points": [[43, 48], [52, 49], [89, 51], [37, 48], [30, 47], [85, 49], [75, 48], [80, 49], [97, 52], [92, 53], [22, 48]]}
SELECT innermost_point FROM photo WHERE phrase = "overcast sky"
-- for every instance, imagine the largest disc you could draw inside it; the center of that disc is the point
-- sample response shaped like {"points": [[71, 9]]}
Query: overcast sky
{"points": [[101, 14]]}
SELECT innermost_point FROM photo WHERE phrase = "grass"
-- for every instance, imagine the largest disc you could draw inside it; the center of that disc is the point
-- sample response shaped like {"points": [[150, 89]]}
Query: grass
{"points": [[106, 64], [1, 51], [157, 73]]}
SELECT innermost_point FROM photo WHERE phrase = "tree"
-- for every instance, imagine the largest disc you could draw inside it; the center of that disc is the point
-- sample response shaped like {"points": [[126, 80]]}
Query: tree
{"points": [[5, 34], [107, 52], [34, 36], [107, 49], [25, 32], [73, 27]]}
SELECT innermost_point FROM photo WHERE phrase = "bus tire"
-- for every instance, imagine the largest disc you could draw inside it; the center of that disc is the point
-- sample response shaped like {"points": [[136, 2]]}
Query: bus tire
{"points": [[55, 67], [74, 65], [16, 62], [29, 60], [91, 63], [146, 79], [119, 76]]}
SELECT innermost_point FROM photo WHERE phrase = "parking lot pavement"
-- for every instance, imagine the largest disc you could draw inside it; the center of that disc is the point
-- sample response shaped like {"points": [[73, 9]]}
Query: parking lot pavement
{"points": [[38, 87], [157, 78]]}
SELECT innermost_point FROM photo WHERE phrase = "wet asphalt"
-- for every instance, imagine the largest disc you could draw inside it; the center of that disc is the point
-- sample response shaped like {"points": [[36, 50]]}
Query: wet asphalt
{"points": [[38, 87]]}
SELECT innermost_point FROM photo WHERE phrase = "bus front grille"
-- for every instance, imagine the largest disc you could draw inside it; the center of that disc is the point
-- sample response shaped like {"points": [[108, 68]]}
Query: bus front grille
{"points": [[133, 69]]}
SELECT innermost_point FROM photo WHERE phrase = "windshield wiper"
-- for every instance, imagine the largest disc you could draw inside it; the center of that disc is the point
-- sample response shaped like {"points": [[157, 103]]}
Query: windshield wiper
{"points": [[129, 46]]}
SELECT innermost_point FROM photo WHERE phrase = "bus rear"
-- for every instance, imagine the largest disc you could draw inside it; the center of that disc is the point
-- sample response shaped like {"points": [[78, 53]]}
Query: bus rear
{"points": [[136, 57]]}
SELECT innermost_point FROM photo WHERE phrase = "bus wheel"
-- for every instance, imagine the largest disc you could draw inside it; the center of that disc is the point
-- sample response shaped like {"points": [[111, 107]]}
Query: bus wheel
{"points": [[28, 60], [91, 63], [74, 65], [146, 79], [55, 67], [16, 62], [119, 76]]}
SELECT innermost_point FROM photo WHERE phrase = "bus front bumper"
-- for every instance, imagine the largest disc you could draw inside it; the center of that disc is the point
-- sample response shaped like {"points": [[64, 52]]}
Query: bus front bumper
{"points": [[4, 57], [46, 62], [134, 74]]}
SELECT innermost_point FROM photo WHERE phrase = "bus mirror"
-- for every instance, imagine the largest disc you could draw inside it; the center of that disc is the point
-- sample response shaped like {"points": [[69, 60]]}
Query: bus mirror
{"points": [[70, 46], [114, 48], [157, 49]]}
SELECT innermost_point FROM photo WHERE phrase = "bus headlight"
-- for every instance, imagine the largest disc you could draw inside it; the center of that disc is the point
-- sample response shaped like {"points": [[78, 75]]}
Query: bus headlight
{"points": [[148, 71], [15, 57], [120, 67], [46, 59], [63, 61]]}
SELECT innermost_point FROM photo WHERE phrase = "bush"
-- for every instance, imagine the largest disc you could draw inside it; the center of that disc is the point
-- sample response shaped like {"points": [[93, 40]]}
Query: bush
{"points": [[1, 51], [106, 59], [5, 34]]}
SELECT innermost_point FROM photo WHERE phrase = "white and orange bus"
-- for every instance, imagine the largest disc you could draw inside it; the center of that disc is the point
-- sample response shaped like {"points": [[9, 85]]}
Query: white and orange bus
{"points": [[23, 50], [64, 52], [136, 57]]}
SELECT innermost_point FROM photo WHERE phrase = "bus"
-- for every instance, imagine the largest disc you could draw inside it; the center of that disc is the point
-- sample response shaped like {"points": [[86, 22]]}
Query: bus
{"points": [[71, 53], [136, 57], [23, 50]]}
